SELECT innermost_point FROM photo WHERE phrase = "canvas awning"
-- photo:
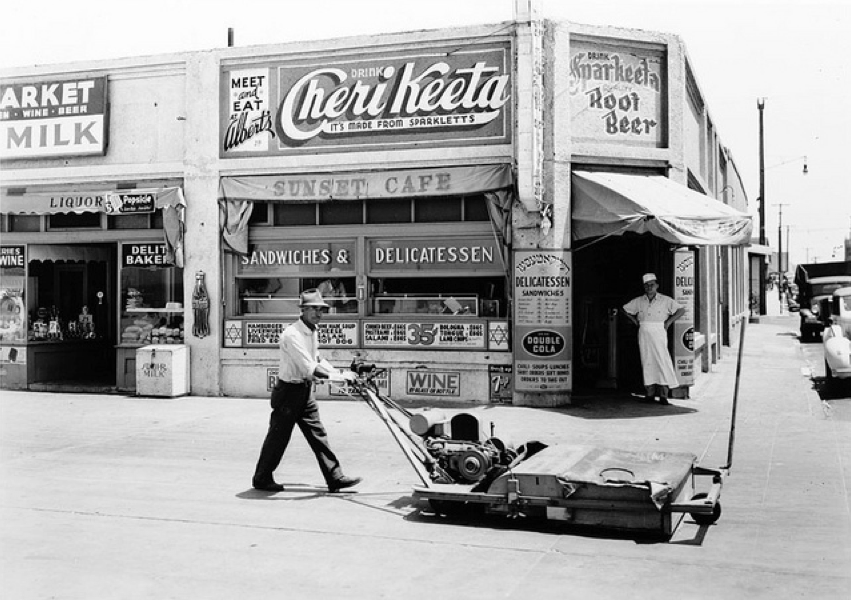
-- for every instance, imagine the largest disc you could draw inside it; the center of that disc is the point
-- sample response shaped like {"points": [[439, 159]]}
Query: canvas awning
{"points": [[616, 203], [447, 181], [108, 201], [238, 194], [169, 200]]}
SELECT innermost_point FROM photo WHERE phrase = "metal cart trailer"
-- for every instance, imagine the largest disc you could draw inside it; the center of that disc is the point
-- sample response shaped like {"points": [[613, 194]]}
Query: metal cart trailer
{"points": [[462, 468]]}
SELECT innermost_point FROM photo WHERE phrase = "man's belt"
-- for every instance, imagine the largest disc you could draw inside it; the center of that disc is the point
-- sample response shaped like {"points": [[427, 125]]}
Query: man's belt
{"points": [[296, 382]]}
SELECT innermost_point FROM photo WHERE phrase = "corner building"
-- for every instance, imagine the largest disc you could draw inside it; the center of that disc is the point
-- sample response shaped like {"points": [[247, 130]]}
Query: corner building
{"points": [[474, 203]]}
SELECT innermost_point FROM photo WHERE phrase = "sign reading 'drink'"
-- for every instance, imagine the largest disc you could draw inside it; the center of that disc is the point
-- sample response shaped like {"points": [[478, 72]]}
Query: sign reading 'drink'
{"points": [[53, 118]]}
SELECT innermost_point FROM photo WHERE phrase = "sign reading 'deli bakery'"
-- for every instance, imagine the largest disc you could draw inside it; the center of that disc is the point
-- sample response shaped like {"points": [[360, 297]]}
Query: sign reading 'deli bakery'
{"points": [[426, 97], [53, 118]]}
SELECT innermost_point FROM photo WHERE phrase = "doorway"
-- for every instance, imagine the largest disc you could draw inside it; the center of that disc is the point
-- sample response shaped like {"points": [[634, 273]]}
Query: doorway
{"points": [[607, 274]]}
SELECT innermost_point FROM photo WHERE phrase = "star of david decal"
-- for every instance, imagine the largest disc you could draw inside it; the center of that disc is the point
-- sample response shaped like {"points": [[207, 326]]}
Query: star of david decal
{"points": [[233, 333], [498, 334]]}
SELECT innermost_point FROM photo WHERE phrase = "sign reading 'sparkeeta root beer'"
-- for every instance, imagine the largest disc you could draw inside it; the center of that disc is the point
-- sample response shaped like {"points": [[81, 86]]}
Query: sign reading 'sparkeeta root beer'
{"points": [[434, 96]]}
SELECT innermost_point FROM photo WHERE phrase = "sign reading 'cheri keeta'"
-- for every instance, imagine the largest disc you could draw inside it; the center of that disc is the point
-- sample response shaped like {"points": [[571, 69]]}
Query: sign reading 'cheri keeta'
{"points": [[53, 118], [425, 97]]}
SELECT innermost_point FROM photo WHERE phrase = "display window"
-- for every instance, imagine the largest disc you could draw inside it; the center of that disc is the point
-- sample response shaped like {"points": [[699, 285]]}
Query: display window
{"points": [[279, 296], [152, 297]]}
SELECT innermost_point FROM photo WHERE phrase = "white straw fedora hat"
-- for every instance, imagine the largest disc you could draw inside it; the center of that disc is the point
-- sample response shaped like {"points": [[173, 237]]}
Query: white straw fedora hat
{"points": [[312, 298]]}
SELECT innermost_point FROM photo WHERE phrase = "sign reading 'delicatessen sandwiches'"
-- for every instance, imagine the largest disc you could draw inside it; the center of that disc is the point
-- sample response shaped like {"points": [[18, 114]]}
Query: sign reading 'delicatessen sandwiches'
{"points": [[542, 321], [53, 118], [423, 97]]}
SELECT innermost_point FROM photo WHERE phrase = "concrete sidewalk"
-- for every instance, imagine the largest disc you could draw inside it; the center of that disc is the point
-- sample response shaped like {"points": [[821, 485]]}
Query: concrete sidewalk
{"points": [[121, 497]]}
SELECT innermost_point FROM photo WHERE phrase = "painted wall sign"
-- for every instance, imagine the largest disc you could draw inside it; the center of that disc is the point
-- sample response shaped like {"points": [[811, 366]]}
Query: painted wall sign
{"points": [[144, 255], [53, 118], [424, 382], [249, 125], [499, 377], [425, 336], [382, 381], [542, 320], [265, 334], [618, 94], [419, 255], [684, 293], [13, 256], [330, 103], [13, 355], [277, 258]]}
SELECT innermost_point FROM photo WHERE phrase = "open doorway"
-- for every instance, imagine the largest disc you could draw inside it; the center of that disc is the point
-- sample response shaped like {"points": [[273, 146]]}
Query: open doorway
{"points": [[607, 274]]}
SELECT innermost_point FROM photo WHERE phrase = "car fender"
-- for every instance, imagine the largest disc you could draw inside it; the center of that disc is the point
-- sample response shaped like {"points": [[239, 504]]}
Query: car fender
{"points": [[837, 348]]}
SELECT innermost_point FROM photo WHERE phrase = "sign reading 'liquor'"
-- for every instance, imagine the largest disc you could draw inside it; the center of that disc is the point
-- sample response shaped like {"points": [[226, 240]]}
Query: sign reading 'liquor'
{"points": [[332, 103]]}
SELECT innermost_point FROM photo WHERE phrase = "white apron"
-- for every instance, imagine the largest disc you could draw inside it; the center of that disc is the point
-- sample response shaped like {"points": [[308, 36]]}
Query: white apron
{"points": [[655, 360]]}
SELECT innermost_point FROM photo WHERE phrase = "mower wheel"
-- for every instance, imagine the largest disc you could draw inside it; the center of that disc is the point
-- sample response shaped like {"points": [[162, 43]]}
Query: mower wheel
{"points": [[704, 519]]}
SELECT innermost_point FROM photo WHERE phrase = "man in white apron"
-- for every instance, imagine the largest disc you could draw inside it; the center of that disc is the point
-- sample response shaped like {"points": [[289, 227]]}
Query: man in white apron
{"points": [[653, 313]]}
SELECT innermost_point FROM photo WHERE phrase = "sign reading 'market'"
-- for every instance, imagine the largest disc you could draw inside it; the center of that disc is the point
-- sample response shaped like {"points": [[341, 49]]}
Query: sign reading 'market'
{"points": [[53, 118], [428, 97]]}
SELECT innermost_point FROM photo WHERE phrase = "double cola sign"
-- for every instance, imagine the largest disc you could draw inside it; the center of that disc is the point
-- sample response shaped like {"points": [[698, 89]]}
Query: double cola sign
{"points": [[441, 96]]}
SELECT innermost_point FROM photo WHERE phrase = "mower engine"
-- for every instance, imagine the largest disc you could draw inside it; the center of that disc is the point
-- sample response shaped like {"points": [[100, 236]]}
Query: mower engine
{"points": [[460, 447]]}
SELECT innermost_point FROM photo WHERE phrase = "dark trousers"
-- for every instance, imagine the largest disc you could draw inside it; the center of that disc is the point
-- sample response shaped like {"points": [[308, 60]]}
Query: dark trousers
{"points": [[293, 404]]}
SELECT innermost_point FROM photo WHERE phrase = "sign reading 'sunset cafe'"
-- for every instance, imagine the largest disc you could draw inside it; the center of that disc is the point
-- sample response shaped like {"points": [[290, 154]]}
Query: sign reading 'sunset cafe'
{"points": [[53, 118], [423, 97]]}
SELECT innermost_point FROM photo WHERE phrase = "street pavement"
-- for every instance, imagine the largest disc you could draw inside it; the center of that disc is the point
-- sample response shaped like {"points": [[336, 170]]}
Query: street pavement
{"points": [[120, 497]]}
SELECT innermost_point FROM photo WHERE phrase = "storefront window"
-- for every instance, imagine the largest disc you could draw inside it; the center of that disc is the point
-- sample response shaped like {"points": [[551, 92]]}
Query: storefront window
{"points": [[90, 220], [151, 295], [24, 223], [279, 296], [438, 296]]}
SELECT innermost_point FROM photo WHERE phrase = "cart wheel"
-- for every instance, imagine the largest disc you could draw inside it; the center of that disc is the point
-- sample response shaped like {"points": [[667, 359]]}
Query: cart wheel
{"points": [[703, 519]]}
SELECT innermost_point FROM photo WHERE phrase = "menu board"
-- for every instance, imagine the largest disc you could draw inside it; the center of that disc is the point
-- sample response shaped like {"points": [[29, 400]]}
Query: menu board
{"points": [[542, 320], [440, 335]]}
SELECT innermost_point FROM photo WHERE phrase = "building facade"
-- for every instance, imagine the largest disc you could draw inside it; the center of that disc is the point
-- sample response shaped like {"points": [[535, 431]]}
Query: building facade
{"points": [[475, 203]]}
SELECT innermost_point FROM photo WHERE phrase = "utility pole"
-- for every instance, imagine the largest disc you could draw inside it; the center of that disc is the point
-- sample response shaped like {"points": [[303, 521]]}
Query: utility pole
{"points": [[760, 104]]}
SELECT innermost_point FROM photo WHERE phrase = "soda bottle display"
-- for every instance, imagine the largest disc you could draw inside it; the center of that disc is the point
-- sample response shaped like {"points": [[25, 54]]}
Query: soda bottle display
{"points": [[200, 307]]}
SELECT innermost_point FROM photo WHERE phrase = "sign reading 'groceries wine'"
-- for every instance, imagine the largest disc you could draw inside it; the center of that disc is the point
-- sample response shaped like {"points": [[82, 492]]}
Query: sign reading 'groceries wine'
{"points": [[436, 96]]}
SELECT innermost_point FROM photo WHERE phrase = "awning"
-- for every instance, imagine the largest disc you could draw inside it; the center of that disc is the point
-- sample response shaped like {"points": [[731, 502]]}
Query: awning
{"points": [[408, 183], [238, 194], [67, 253], [616, 203], [115, 202], [108, 201]]}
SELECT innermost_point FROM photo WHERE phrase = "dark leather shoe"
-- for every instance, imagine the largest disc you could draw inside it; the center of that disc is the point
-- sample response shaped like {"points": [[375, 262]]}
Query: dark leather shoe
{"points": [[664, 401], [343, 482], [269, 487]]}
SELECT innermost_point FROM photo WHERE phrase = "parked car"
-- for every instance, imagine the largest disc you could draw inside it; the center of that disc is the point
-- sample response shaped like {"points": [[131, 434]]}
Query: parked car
{"points": [[837, 336], [817, 282]]}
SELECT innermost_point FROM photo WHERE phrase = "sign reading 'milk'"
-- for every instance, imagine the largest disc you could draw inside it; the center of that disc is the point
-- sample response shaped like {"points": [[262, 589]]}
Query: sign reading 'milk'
{"points": [[53, 118]]}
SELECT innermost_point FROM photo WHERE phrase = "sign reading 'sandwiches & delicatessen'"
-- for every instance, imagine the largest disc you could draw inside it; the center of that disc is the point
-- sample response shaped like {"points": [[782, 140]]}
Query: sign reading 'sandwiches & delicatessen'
{"points": [[362, 102]]}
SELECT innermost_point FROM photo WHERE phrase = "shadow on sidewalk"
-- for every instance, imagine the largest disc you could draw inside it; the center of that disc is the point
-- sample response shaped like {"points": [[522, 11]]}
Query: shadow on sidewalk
{"points": [[619, 405]]}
